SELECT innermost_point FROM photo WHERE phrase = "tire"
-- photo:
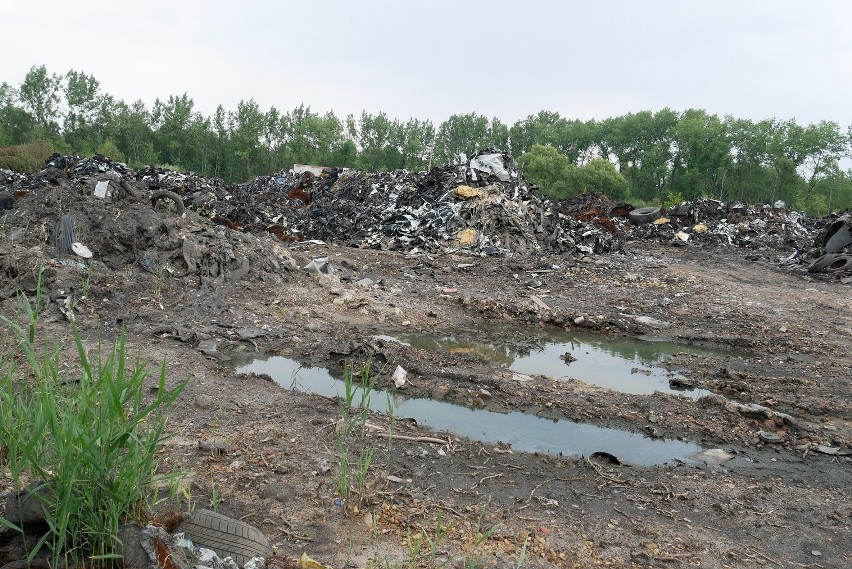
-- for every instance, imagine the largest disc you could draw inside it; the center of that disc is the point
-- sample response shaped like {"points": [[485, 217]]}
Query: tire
{"points": [[840, 263], [821, 262], [226, 536], [32, 504], [65, 234], [167, 195], [840, 238], [133, 554], [644, 215]]}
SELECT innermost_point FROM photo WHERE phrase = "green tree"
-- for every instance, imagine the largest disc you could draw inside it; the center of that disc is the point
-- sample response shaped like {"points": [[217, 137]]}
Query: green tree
{"points": [[247, 131], [597, 175], [82, 101], [134, 136], [39, 94], [170, 121], [379, 140], [463, 134], [310, 138], [702, 156], [545, 167], [823, 146], [16, 125], [574, 139]]}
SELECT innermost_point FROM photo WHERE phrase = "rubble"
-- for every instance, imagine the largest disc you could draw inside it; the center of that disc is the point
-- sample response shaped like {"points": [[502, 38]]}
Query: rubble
{"points": [[481, 207]]}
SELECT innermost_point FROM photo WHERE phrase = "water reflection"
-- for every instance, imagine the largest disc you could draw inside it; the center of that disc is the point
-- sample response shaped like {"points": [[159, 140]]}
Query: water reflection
{"points": [[628, 365], [524, 432]]}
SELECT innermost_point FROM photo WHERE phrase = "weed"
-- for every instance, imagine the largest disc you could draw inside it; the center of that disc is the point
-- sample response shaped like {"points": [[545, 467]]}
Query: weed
{"points": [[353, 466], [86, 282], [161, 269], [523, 555], [215, 497], [89, 439]]}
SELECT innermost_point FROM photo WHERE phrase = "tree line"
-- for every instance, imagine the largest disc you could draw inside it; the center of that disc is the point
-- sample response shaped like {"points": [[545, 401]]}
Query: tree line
{"points": [[647, 157]]}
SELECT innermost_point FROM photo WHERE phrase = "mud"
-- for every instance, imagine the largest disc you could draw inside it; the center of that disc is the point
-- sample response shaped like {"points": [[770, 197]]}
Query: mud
{"points": [[205, 298]]}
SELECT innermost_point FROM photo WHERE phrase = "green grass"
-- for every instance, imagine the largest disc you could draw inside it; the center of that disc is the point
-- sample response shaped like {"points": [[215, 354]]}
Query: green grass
{"points": [[84, 427], [354, 453]]}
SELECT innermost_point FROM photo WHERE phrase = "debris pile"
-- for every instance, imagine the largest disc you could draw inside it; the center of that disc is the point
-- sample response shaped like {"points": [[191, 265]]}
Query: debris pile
{"points": [[483, 206], [832, 250]]}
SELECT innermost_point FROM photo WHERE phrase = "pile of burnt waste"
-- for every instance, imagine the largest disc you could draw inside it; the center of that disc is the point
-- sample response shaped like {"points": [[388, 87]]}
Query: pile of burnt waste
{"points": [[482, 206]]}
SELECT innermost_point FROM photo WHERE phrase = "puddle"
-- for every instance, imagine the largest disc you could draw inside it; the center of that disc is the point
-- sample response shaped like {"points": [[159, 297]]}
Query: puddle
{"points": [[627, 365], [526, 433]]}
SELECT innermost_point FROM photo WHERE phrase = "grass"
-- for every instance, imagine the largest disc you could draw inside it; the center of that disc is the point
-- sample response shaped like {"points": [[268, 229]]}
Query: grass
{"points": [[353, 464], [87, 436]]}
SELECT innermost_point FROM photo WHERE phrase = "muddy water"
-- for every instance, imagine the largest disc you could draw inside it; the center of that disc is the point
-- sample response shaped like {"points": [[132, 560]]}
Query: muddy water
{"points": [[627, 365], [523, 432]]}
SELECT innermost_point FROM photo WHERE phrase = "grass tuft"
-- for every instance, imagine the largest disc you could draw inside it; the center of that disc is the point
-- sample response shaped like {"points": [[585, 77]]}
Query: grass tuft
{"points": [[88, 436]]}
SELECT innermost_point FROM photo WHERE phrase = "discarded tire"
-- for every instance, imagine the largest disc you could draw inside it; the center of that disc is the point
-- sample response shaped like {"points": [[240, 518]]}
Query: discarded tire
{"points": [[65, 235], [30, 505], [840, 263], [839, 236], [226, 536], [133, 554], [821, 262], [170, 196], [644, 215]]}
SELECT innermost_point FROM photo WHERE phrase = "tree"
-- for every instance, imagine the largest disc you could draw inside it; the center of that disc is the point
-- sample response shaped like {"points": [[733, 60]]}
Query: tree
{"points": [[823, 146], [134, 136], [545, 167], [702, 156], [39, 93], [16, 125], [170, 121], [82, 100], [462, 135], [574, 139], [247, 131], [597, 175]]}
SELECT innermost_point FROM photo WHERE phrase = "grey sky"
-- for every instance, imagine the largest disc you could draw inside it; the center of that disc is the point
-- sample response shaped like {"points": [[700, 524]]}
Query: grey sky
{"points": [[430, 59]]}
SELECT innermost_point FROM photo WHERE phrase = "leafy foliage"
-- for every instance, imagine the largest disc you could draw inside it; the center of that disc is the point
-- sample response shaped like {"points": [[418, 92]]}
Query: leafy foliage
{"points": [[657, 154]]}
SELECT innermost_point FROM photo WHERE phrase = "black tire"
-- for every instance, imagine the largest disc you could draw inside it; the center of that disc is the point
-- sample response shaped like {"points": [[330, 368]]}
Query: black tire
{"points": [[840, 238], [31, 505], [167, 195], [821, 262], [644, 215], [133, 554], [65, 234], [840, 263], [226, 536]]}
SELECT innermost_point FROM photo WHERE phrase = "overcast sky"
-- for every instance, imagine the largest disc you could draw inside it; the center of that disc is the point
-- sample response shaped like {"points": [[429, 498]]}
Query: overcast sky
{"points": [[430, 59]]}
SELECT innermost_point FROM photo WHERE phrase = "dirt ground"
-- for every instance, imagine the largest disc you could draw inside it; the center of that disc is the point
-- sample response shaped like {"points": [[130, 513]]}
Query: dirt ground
{"points": [[783, 367]]}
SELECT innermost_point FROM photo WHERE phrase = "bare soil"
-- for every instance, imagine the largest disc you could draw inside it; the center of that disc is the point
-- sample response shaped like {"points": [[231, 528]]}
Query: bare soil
{"points": [[202, 297]]}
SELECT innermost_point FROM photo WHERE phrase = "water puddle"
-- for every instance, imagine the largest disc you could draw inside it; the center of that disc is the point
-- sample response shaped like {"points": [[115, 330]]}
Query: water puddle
{"points": [[627, 365], [526, 433]]}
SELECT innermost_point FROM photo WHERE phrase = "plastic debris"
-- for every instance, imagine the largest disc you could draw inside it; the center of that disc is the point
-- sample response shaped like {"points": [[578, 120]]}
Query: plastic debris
{"points": [[399, 377], [305, 562], [81, 250]]}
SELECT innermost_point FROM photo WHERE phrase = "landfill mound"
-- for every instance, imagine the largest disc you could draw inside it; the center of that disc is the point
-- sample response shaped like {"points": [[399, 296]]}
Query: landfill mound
{"points": [[483, 206]]}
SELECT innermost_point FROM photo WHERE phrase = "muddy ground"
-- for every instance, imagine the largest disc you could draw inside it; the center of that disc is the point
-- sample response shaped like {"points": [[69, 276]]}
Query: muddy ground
{"points": [[203, 297]]}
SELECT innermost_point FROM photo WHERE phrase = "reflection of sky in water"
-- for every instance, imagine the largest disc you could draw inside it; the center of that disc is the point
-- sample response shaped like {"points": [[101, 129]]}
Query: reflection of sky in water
{"points": [[622, 364], [526, 433]]}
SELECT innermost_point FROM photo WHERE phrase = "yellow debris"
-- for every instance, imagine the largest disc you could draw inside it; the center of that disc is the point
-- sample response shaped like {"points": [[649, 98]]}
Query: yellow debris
{"points": [[700, 228], [467, 237], [682, 236], [466, 192], [661, 220], [306, 562]]}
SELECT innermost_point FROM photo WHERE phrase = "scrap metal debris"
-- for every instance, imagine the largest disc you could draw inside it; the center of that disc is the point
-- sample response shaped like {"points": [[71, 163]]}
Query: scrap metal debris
{"points": [[481, 207]]}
